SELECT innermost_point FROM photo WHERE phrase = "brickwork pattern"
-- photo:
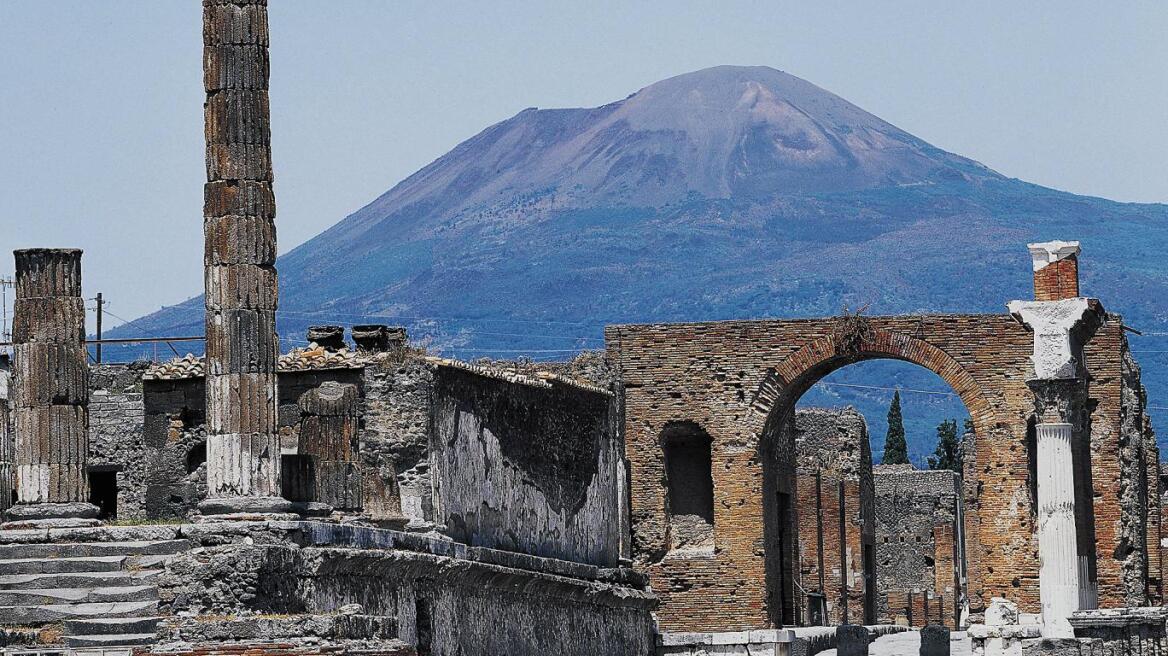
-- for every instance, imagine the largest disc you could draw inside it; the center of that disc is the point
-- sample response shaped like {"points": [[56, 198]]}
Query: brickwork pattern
{"points": [[731, 377], [1057, 280]]}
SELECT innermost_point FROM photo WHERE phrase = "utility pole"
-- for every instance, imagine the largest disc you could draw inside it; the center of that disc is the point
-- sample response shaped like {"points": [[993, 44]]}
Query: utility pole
{"points": [[100, 304], [5, 283]]}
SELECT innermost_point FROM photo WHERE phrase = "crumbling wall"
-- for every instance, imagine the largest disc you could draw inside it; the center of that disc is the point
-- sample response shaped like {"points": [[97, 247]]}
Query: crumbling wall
{"points": [[443, 598], [526, 467], [395, 435], [917, 555], [176, 446], [116, 432], [833, 455]]}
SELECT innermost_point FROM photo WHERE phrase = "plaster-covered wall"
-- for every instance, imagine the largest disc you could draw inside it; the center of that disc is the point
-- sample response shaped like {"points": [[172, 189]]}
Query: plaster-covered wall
{"points": [[525, 467]]}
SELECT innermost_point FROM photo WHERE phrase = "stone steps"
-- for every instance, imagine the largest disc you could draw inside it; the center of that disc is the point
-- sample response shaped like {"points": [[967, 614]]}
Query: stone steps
{"points": [[101, 592], [61, 565], [112, 625], [76, 579], [118, 640], [31, 597], [48, 613], [91, 549]]}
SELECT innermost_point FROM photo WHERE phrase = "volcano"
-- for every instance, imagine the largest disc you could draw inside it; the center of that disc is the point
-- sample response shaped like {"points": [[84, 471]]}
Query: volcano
{"points": [[730, 192]]}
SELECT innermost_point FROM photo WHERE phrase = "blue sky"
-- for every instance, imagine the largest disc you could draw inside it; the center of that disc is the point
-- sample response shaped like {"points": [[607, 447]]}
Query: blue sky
{"points": [[101, 117]]}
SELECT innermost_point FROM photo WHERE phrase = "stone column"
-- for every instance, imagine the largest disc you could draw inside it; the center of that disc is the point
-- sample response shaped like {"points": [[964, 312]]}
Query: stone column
{"points": [[243, 447], [1060, 327], [330, 416], [49, 392]]}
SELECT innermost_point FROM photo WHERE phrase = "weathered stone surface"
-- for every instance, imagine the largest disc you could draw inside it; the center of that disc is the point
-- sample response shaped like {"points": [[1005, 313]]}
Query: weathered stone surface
{"points": [[526, 468], [327, 337], [52, 511], [833, 455], [243, 449], [919, 550], [239, 240], [48, 273], [934, 640], [50, 380], [852, 640], [55, 320]]}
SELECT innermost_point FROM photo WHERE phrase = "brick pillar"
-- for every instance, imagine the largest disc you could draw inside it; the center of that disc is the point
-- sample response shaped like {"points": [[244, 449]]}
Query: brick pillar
{"points": [[243, 446], [1056, 270], [1060, 388], [50, 390], [328, 435]]}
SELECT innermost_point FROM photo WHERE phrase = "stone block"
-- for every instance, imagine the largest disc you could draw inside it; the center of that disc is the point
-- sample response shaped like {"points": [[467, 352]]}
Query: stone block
{"points": [[852, 640], [934, 640]]}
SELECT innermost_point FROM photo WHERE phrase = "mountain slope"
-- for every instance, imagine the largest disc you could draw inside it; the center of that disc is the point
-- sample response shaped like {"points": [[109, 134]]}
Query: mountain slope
{"points": [[725, 193]]}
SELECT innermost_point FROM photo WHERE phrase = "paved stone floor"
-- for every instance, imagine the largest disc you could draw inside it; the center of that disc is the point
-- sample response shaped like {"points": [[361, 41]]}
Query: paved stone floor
{"points": [[909, 644]]}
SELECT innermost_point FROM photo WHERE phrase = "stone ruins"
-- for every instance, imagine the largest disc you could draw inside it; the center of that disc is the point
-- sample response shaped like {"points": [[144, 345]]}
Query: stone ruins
{"points": [[661, 497]]}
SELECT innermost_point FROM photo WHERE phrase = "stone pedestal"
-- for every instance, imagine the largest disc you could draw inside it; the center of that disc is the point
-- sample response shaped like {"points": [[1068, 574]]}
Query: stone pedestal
{"points": [[852, 640], [49, 391], [243, 447]]}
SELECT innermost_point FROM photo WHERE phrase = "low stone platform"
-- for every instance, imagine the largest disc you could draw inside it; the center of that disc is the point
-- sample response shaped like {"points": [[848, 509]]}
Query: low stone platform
{"points": [[222, 584]]}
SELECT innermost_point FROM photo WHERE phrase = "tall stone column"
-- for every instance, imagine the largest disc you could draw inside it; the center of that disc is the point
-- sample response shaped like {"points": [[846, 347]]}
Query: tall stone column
{"points": [[1060, 327], [243, 447], [49, 391]]}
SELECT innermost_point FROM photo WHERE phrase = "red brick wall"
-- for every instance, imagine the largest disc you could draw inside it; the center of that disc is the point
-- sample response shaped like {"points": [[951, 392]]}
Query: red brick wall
{"points": [[729, 377], [1057, 280]]}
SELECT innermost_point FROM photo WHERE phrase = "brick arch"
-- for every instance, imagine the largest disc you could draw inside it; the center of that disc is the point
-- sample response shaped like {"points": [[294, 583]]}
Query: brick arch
{"points": [[787, 381]]}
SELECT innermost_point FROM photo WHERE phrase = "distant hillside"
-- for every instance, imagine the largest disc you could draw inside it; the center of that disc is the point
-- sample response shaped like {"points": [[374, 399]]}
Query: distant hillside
{"points": [[726, 193]]}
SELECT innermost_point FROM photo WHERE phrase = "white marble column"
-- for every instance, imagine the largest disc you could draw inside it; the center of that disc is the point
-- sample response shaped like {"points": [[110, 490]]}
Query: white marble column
{"points": [[1059, 329], [1057, 534]]}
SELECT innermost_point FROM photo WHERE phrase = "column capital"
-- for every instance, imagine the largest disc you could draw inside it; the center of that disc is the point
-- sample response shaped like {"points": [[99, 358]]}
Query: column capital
{"points": [[1060, 328]]}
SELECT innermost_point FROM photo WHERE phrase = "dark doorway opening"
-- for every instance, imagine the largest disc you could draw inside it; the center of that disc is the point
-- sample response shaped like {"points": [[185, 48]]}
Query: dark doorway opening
{"points": [[103, 492], [423, 626], [869, 584], [785, 546]]}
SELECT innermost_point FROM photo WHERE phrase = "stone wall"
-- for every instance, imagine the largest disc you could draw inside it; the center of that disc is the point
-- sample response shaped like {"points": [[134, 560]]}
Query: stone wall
{"points": [[526, 467], [116, 436], [730, 378], [7, 481], [918, 554], [444, 598], [834, 458]]}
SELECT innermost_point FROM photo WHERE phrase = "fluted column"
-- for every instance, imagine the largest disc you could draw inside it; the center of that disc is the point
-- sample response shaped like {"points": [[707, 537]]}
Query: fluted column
{"points": [[49, 390], [1061, 328], [329, 418], [243, 447], [1059, 583]]}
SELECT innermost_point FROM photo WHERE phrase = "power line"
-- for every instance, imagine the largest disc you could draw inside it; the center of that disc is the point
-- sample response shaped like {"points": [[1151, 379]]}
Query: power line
{"points": [[888, 389]]}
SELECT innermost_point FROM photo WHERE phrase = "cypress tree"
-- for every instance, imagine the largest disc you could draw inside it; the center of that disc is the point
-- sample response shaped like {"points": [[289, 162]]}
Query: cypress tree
{"points": [[895, 447], [948, 454]]}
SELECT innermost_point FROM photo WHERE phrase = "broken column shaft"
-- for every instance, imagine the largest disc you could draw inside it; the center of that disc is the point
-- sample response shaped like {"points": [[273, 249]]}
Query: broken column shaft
{"points": [[49, 391], [329, 418], [243, 447]]}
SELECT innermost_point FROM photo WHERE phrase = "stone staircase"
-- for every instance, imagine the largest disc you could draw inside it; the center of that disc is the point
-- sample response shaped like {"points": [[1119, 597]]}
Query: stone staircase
{"points": [[99, 592]]}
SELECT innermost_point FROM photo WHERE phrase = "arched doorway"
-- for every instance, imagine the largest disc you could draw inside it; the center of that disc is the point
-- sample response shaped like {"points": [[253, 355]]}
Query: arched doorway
{"points": [[790, 600]]}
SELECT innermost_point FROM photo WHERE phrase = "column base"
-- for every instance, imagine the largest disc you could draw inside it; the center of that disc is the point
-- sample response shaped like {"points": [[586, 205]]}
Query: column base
{"points": [[51, 515], [246, 509]]}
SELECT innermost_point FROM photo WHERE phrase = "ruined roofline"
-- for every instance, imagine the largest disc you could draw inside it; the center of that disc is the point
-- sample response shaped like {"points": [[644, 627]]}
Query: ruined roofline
{"points": [[191, 367], [542, 379]]}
